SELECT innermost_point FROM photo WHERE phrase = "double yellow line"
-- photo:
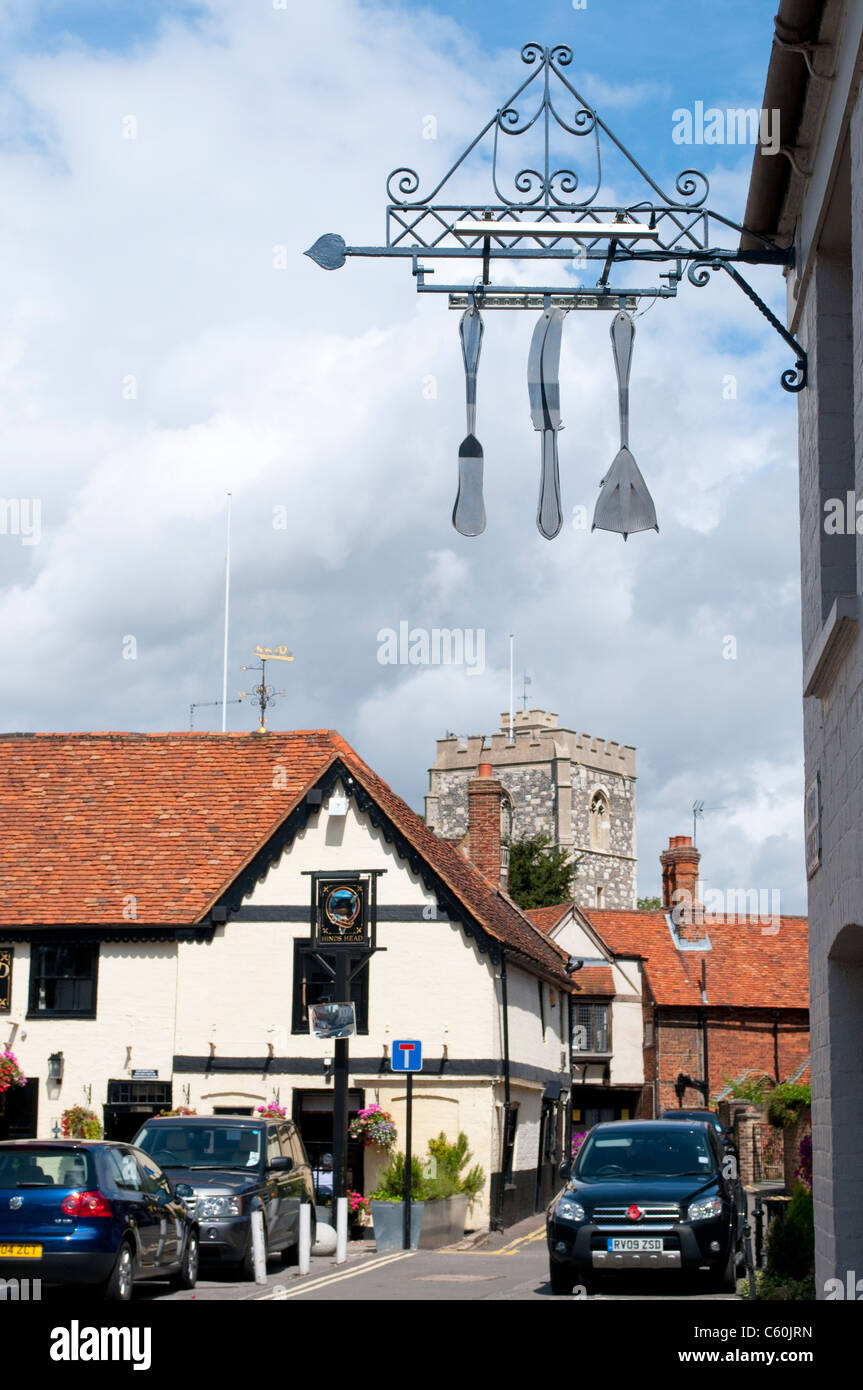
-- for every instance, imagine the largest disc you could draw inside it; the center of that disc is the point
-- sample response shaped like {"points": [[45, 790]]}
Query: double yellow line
{"points": [[516, 1245], [279, 1293]]}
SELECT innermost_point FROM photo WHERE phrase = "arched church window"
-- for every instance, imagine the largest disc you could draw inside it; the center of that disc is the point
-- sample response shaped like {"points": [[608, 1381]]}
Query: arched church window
{"points": [[600, 822]]}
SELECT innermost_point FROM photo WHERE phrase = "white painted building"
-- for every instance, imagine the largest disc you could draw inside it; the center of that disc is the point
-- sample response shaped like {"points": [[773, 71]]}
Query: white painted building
{"points": [[156, 917]]}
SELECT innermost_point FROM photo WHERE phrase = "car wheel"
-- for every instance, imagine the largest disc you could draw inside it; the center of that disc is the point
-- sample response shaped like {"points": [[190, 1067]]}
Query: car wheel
{"points": [[562, 1278], [187, 1275], [118, 1288]]}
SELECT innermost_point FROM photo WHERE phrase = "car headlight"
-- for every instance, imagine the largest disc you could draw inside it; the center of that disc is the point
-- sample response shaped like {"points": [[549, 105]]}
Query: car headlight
{"points": [[705, 1209], [210, 1207], [568, 1209]]}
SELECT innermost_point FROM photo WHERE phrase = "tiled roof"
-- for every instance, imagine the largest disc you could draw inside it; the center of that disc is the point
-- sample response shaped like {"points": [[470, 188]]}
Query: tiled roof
{"points": [[595, 979], [547, 918], [749, 965], [89, 822]]}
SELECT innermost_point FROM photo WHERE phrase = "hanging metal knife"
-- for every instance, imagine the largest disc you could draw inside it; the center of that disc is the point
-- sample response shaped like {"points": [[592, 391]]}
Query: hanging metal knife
{"points": [[468, 516], [543, 387]]}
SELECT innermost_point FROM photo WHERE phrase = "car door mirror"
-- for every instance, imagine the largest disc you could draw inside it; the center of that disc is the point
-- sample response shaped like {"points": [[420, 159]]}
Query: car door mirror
{"points": [[184, 1191], [565, 1168], [281, 1164]]}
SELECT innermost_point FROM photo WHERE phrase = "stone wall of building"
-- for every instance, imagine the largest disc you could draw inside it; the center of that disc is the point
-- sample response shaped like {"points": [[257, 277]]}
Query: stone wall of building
{"points": [[552, 776]]}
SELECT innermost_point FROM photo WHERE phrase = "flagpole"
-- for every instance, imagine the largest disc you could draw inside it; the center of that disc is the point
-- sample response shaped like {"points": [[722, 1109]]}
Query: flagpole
{"points": [[511, 686], [227, 597]]}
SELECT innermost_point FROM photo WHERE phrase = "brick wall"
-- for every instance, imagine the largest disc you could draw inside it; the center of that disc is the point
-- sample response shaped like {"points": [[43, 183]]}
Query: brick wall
{"points": [[737, 1041]]}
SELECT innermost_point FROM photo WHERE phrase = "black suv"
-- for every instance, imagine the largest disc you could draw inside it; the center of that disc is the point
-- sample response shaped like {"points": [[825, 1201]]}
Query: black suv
{"points": [[648, 1194], [235, 1164]]}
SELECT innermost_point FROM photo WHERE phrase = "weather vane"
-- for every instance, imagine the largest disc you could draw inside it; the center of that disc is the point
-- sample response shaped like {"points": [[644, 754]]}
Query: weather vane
{"points": [[548, 216], [266, 693]]}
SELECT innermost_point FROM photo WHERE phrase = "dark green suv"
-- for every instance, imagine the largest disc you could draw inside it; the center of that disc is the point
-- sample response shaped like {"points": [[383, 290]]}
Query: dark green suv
{"points": [[233, 1165]]}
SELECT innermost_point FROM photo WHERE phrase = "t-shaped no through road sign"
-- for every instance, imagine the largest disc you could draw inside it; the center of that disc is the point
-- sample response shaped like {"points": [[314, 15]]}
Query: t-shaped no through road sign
{"points": [[407, 1055]]}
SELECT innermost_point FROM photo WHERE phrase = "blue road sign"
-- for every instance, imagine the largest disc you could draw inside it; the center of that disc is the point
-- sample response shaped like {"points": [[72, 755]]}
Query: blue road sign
{"points": [[407, 1055]]}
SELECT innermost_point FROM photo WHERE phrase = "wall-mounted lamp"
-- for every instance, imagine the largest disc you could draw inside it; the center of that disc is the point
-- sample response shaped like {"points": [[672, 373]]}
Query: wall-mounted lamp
{"points": [[55, 1066]]}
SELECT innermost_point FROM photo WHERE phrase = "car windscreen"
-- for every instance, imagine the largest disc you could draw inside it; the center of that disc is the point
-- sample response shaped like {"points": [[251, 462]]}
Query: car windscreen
{"points": [[220, 1145], [667, 1153], [46, 1166]]}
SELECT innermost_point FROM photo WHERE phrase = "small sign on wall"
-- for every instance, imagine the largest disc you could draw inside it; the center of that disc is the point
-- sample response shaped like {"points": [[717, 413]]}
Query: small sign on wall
{"points": [[813, 825], [5, 979]]}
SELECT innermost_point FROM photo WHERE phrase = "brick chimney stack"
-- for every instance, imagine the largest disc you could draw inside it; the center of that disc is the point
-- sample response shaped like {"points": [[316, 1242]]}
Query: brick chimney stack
{"points": [[679, 887], [485, 797]]}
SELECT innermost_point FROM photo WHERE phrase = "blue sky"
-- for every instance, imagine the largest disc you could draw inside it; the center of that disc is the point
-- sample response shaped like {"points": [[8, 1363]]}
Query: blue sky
{"points": [[156, 353]]}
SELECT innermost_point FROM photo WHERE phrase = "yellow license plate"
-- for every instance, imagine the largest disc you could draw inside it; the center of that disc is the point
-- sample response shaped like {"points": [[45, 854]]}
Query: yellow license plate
{"points": [[20, 1252]]}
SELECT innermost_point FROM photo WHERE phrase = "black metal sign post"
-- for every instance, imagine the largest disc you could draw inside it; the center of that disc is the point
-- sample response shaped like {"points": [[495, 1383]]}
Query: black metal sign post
{"points": [[344, 927], [340, 1086], [406, 1240]]}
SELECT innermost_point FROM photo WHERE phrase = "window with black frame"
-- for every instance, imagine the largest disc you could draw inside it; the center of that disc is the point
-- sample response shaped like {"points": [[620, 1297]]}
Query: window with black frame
{"points": [[63, 979], [590, 1028], [313, 984]]}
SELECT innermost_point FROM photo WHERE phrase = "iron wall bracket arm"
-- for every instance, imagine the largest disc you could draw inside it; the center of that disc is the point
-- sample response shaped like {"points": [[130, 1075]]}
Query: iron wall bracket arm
{"points": [[793, 378]]}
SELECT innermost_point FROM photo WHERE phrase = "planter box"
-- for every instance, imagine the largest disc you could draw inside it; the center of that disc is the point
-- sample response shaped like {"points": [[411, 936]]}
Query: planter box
{"points": [[443, 1222], [388, 1219], [433, 1224]]}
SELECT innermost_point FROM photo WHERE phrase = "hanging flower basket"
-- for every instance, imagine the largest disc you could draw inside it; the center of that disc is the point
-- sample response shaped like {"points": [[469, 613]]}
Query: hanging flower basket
{"points": [[272, 1111], [10, 1072], [80, 1123], [374, 1126]]}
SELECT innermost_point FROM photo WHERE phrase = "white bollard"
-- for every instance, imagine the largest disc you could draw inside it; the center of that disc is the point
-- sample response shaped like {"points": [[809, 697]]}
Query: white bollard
{"points": [[305, 1238], [259, 1249], [341, 1230]]}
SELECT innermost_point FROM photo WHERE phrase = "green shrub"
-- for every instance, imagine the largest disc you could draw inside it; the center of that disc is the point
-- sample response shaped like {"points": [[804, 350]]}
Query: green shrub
{"points": [[775, 1290], [447, 1182], [787, 1103], [791, 1240], [753, 1089], [450, 1159], [391, 1187]]}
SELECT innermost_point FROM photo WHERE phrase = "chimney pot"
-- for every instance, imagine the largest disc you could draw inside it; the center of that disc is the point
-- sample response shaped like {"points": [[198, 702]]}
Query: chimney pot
{"points": [[485, 799], [679, 887]]}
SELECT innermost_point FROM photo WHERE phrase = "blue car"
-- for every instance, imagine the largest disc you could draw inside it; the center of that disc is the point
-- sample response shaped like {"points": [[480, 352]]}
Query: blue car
{"points": [[92, 1212]]}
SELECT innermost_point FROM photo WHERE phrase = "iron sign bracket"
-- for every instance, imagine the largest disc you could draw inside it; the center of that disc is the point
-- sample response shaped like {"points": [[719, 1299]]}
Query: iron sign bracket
{"points": [[544, 214]]}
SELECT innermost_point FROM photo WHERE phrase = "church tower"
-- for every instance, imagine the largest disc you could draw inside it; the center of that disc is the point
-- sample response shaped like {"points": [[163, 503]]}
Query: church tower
{"points": [[578, 790]]}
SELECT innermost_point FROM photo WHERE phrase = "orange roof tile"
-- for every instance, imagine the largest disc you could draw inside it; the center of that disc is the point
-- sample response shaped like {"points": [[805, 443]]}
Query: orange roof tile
{"points": [[547, 918], [595, 979], [749, 964]]}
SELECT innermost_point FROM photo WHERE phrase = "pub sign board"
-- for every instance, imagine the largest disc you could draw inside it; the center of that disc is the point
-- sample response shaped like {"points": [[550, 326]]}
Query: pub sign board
{"points": [[5, 979], [341, 912]]}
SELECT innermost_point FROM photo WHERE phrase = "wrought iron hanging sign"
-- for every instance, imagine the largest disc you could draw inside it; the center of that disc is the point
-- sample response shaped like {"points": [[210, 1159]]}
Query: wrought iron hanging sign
{"points": [[550, 215]]}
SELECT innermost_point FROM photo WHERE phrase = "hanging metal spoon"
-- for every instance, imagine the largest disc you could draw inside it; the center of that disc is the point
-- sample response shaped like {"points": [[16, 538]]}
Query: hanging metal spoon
{"points": [[624, 504], [543, 388], [468, 515]]}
